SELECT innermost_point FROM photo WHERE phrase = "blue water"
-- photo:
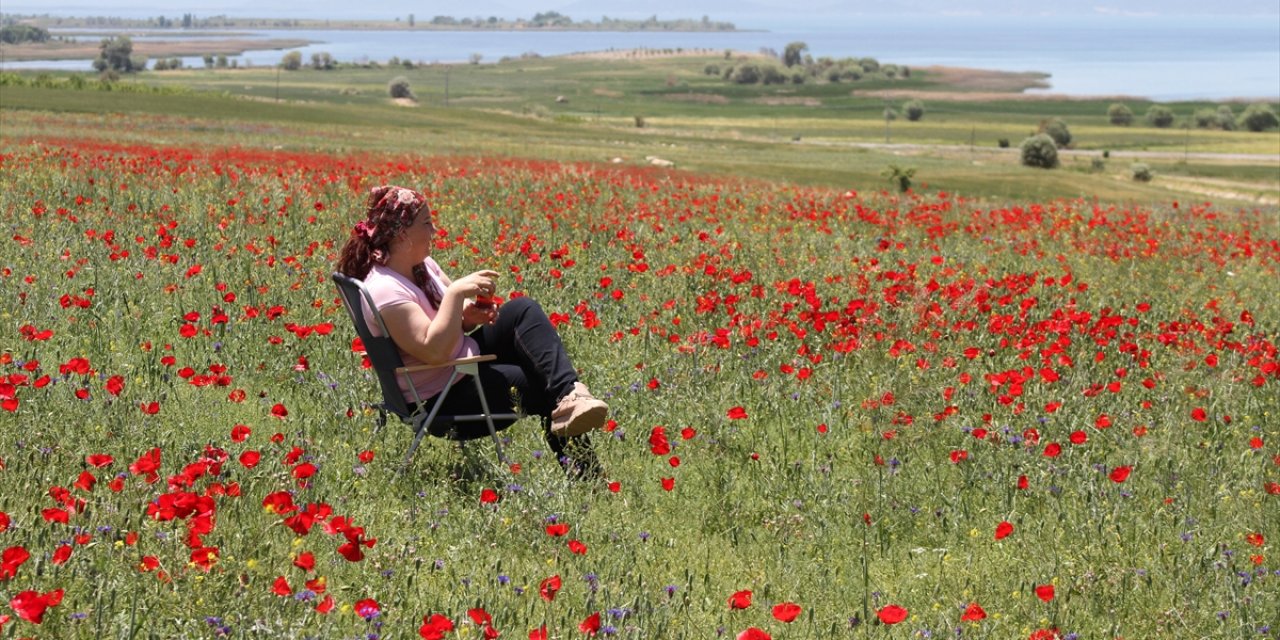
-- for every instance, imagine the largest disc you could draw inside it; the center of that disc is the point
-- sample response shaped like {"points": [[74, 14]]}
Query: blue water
{"points": [[1163, 58]]}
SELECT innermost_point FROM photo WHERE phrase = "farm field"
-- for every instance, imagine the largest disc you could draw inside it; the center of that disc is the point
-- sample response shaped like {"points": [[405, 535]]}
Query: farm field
{"points": [[1006, 403]]}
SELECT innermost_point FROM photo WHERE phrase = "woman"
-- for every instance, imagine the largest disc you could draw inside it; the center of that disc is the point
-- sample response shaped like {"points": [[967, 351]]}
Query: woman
{"points": [[434, 319]]}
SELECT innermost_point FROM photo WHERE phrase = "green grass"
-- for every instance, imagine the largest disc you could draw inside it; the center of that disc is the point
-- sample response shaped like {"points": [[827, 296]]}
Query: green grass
{"points": [[769, 503]]}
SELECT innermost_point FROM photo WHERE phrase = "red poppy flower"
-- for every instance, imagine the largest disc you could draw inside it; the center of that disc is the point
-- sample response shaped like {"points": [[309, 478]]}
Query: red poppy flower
{"points": [[434, 627], [668, 484], [305, 561], [786, 611], [737, 413], [204, 557], [240, 433], [279, 411], [740, 599], [1044, 592], [326, 605], [479, 616], [577, 548], [1003, 530], [1255, 539], [973, 614], [149, 408], [99, 460], [1045, 634], [367, 608], [1198, 414], [4, 521], [10, 560], [1120, 474], [488, 496], [62, 554], [549, 587], [591, 624], [1022, 482], [281, 587], [958, 456], [31, 605], [1052, 450], [1078, 437], [250, 459], [753, 633], [892, 614], [558, 529], [658, 443], [538, 634], [365, 457]]}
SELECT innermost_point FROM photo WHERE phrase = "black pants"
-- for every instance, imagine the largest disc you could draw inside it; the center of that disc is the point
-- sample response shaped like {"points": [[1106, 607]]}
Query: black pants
{"points": [[532, 371]]}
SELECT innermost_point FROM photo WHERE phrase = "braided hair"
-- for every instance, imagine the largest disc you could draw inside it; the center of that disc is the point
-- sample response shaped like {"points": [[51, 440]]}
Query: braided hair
{"points": [[389, 211]]}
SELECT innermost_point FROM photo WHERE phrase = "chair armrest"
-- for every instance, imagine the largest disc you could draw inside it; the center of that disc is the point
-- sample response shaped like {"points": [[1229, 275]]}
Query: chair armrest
{"points": [[452, 363]]}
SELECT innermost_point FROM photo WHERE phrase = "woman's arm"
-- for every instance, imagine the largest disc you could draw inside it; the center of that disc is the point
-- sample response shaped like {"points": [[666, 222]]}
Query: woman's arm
{"points": [[435, 341]]}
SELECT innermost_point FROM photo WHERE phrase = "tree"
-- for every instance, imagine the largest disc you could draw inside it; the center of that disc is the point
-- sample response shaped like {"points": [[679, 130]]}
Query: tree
{"points": [[747, 74], [1226, 118], [1039, 151], [322, 61], [291, 61], [411, 21], [899, 177], [17, 33], [1141, 172], [116, 54], [794, 54], [1159, 116], [914, 110], [1258, 117], [399, 88], [1057, 129], [1120, 114]]}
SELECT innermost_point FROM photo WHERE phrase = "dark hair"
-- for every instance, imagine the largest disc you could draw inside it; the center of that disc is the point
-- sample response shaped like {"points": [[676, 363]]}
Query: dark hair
{"points": [[388, 212]]}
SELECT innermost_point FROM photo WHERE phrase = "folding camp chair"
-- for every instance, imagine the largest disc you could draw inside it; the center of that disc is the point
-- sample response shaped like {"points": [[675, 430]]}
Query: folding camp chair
{"points": [[387, 364]]}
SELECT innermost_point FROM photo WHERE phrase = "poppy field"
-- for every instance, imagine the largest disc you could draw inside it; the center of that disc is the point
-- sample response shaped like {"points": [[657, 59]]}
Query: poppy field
{"points": [[836, 413]]}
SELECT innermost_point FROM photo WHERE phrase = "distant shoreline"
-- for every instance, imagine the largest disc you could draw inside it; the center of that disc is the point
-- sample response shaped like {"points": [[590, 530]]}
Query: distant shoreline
{"points": [[84, 50]]}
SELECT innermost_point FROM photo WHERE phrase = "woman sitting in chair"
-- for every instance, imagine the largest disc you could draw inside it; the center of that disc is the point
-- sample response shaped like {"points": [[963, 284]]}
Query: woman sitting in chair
{"points": [[433, 319]]}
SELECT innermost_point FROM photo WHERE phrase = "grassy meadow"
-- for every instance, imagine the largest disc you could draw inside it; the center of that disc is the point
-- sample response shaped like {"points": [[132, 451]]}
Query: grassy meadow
{"points": [[1009, 403]]}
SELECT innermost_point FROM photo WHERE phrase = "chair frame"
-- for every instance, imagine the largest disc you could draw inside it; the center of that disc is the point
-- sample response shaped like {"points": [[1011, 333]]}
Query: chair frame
{"points": [[388, 365]]}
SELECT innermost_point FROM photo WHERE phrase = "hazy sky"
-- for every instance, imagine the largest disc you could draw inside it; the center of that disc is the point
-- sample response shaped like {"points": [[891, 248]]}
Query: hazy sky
{"points": [[751, 13]]}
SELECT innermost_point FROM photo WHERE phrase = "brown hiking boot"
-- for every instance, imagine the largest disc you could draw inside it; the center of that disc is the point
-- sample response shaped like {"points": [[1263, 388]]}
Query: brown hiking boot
{"points": [[578, 413]]}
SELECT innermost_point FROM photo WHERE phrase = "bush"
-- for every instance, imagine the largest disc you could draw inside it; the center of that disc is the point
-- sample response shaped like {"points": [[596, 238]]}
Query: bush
{"points": [[1226, 118], [914, 110], [399, 88], [711, 70], [1206, 118], [772, 75], [1119, 114], [1057, 129], [1097, 165], [1159, 116], [1258, 117], [1040, 151], [291, 61], [639, 122], [1003, 143], [747, 74], [1140, 172], [899, 177]]}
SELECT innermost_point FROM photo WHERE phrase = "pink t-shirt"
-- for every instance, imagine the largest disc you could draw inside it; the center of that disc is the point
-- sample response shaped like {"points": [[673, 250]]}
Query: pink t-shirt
{"points": [[388, 289]]}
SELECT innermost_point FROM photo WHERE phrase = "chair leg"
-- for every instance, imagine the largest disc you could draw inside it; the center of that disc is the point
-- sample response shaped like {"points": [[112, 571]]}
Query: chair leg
{"points": [[488, 419], [420, 428]]}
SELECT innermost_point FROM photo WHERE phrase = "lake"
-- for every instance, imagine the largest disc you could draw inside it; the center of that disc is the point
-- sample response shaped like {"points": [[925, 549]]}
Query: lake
{"points": [[1162, 58]]}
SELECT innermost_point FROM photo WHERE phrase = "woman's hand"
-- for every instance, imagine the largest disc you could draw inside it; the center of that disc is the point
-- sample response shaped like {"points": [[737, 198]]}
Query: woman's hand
{"points": [[476, 285], [475, 315]]}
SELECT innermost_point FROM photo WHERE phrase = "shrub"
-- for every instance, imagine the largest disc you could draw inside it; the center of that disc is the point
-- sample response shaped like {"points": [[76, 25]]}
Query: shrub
{"points": [[1057, 129], [399, 88], [772, 75], [1039, 151], [291, 61], [1119, 114], [1140, 172], [1226, 118], [1159, 116], [899, 177], [1258, 117], [914, 110], [1003, 143], [639, 122], [890, 114], [1206, 118], [711, 70], [1097, 165], [747, 74]]}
